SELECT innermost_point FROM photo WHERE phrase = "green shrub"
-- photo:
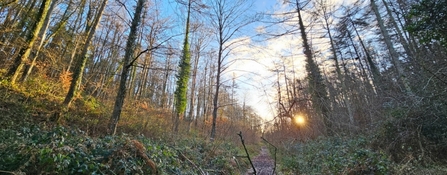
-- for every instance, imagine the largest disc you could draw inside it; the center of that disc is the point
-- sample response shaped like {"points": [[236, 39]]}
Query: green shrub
{"points": [[62, 151], [335, 156]]}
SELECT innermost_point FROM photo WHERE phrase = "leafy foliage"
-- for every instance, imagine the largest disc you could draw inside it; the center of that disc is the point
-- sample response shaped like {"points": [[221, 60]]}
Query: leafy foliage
{"points": [[185, 69], [416, 134], [430, 21], [336, 156], [35, 151]]}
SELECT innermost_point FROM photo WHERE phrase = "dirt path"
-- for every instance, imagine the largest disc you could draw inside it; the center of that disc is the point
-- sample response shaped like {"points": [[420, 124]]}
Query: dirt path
{"points": [[263, 163]]}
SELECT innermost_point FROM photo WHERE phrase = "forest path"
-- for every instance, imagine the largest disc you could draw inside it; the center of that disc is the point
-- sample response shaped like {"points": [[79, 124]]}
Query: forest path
{"points": [[263, 163]]}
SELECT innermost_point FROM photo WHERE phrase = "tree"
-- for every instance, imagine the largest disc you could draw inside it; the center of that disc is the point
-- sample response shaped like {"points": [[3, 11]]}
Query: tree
{"points": [[82, 59], [324, 10], [393, 53], [429, 21], [183, 76], [316, 85], [127, 63], [42, 34], [32, 36], [200, 40], [227, 19]]}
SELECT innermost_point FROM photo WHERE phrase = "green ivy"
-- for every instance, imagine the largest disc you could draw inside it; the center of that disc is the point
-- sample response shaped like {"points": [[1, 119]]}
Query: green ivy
{"points": [[335, 156], [32, 150]]}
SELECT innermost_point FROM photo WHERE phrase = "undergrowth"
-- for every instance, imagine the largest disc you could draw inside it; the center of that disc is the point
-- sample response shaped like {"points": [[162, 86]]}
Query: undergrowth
{"points": [[32, 142], [335, 156], [32, 150]]}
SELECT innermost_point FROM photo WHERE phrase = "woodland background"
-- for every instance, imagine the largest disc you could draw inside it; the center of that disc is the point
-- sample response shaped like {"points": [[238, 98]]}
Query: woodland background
{"points": [[98, 86]]}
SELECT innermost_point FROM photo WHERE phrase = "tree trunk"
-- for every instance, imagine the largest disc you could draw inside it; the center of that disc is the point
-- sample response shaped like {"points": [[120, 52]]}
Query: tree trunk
{"points": [[399, 32], [25, 51], [183, 77], [316, 85], [216, 94], [80, 64], [193, 87], [128, 56], [375, 71], [43, 35], [393, 53]]}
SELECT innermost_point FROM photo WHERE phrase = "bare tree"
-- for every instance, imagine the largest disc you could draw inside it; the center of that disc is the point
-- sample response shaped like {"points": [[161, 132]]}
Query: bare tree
{"points": [[128, 61], [227, 19]]}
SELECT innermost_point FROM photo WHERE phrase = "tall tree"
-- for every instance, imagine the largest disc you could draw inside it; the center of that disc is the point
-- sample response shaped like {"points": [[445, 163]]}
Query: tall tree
{"points": [[42, 34], [32, 36], [127, 63], [393, 53], [324, 8], [200, 40], [82, 59], [227, 19], [183, 76], [316, 85]]}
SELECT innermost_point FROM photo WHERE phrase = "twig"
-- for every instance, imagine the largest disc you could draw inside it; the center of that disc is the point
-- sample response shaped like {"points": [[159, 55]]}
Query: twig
{"points": [[192, 163], [248, 155], [9, 172], [147, 50], [274, 154]]}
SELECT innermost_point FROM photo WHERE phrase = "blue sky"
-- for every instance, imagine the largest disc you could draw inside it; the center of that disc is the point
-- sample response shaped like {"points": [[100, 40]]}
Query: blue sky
{"points": [[257, 82]]}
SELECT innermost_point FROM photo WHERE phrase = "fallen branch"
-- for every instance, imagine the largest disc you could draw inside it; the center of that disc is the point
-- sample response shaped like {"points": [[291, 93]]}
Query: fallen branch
{"points": [[142, 153], [9, 172], [248, 155], [192, 163]]}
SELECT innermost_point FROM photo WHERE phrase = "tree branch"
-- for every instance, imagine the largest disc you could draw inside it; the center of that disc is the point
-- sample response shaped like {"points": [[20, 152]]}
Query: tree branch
{"points": [[246, 152], [147, 50]]}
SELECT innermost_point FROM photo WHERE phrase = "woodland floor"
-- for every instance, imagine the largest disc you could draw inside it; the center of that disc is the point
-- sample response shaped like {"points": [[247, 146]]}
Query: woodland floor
{"points": [[263, 163]]}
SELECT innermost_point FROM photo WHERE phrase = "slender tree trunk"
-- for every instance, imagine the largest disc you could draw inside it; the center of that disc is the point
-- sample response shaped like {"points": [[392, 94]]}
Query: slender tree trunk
{"points": [[216, 94], [183, 77], [128, 56], [375, 71], [25, 51], [399, 32], [82, 59], [193, 87], [199, 104], [43, 35], [316, 85], [394, 55], [344, 90]]}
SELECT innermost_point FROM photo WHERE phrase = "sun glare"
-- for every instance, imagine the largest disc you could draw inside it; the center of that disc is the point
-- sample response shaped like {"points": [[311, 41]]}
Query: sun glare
{"points": [[299, 120]]}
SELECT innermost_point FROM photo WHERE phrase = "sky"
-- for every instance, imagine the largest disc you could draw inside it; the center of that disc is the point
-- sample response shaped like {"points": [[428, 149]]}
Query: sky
{"points": [[256, 80]]}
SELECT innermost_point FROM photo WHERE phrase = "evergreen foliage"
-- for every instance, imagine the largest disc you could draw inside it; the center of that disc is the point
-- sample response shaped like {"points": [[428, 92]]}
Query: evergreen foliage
{"points": [[183, 76], [429, 21]]}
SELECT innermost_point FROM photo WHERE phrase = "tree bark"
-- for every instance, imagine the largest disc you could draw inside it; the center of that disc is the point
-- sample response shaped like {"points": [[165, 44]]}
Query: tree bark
{"points": [[25, 51], [316, 85], [82, 59], [128, 56], [43, 35], [393, 53]]}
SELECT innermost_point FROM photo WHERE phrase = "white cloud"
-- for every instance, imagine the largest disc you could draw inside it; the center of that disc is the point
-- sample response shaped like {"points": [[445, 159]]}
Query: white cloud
{"points": [[254, 69], [256, 60]]}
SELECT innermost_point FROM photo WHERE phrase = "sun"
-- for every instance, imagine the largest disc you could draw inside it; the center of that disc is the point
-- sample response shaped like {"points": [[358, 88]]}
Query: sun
{"points": [[299, 120]]}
